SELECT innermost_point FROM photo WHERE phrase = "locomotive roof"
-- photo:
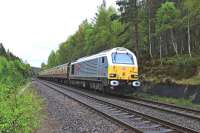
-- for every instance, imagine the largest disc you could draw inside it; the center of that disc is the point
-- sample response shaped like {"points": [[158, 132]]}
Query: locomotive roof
{"points": [[101, 54]]}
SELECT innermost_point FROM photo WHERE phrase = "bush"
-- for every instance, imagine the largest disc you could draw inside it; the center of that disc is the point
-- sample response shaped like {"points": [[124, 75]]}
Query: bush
{"points": [[13, 71], [186, 67], [18, 112]]}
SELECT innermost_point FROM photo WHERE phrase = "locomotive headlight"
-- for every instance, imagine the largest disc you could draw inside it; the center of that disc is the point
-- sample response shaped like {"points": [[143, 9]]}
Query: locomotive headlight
{"points": [[114, 83], [136, 83], [112, 75]]}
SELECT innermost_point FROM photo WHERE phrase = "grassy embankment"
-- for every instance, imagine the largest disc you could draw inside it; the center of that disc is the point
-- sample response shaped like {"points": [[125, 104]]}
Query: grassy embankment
{"points": [[179, 102], [20, 106], [20, 109], [180, 70]]}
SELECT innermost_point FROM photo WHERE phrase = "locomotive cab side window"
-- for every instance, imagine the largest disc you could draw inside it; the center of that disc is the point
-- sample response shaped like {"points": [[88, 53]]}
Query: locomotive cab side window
{"points": [[122, 58]]}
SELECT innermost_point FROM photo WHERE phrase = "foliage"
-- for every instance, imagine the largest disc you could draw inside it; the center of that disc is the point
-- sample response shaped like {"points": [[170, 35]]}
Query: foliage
{"points": [[7, 54], [130, 16], [52, 59], [18, 112], [2, 50], [43, 66], [194, 80], [178, 102], [186, 67], [166, 16], [13, 71]]}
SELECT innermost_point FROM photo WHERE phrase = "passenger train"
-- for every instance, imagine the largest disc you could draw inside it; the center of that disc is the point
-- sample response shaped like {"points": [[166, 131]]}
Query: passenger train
{"points": [[113, 71]]}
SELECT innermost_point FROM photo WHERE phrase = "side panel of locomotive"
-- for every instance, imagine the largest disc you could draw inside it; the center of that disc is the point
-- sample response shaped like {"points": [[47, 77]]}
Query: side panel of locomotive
{"points": [[90, 69]]}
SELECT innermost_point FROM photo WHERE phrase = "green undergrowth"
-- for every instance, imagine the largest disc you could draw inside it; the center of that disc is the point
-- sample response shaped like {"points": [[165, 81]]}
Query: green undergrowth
{"points": [[175, 101], [20, 106], [20, 109], [180, 70], [194, 80]]}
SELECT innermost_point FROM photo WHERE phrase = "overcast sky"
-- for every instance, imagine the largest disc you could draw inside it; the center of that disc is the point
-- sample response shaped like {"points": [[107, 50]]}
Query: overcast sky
{"points": [[32, 28]]}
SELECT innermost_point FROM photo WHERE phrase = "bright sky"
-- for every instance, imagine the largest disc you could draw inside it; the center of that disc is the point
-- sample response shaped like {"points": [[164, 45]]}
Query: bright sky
{"points": [[32, 28]]}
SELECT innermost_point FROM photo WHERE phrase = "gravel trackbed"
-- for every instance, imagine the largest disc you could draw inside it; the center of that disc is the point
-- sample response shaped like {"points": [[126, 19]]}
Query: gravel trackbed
{"points": [[64, 115]]}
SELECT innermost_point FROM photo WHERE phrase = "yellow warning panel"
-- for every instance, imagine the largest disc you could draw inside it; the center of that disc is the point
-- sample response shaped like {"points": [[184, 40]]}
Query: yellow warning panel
{"points": [[123, 72]]}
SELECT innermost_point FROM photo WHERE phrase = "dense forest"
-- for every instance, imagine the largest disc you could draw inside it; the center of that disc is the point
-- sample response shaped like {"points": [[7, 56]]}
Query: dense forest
{"points": [[156, 30], [18, 109]]}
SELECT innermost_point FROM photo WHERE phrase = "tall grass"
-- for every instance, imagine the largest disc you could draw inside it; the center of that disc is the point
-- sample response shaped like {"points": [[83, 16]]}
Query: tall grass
{"points": [[19, 112], [20, 108]]}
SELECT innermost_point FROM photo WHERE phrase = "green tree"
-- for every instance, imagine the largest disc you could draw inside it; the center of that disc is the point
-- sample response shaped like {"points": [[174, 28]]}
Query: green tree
{"points": [[52, 59], [105, 30], [2, 50], [129, 15], [166, 20], [192, 8]]}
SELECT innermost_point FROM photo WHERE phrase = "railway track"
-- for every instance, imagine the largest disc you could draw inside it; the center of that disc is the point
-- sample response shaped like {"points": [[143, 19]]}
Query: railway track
{"points": [[135, 120], [182, 111]]}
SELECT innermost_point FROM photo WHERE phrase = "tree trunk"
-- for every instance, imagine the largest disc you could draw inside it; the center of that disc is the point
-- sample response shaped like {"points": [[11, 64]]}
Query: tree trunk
{"points": [[136, 29], [150, 45], [137, 39], [188, 33], [182, 49], [174, 42], [166, 46], [160, 49]]}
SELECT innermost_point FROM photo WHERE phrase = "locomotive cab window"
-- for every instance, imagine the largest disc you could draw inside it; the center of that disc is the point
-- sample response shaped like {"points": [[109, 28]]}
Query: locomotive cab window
{"points": [[122, 58]]}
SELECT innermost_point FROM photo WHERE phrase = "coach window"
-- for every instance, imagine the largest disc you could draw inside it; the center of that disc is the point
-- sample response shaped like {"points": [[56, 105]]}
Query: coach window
{"points": [[102, 60], [72, 72]]}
